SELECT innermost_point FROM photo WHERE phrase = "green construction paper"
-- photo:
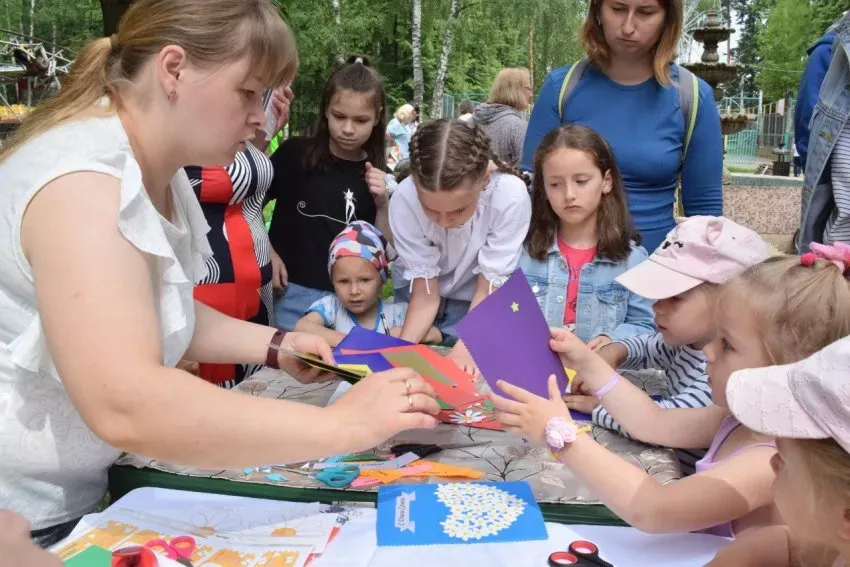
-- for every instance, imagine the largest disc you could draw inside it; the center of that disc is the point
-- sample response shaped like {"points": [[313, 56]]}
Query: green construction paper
{"points": [[93, 556]]}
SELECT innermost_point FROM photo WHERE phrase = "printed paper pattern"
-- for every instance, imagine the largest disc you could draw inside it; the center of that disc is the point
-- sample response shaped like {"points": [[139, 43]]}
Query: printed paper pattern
{"points": [[486, 512]]}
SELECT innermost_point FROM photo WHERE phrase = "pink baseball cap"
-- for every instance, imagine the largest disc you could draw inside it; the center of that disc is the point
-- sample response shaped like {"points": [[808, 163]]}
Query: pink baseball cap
{"points": [[809, 399], [699, 250]]}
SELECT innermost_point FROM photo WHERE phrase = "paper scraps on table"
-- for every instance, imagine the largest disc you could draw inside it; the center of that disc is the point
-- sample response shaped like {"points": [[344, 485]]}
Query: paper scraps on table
{"points": [[466, 512], [396, 463], [423, 469]]}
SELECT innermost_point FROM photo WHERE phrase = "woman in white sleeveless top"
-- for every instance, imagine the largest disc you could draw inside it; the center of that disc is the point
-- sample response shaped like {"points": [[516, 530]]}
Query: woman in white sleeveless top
{"points": [[101, 241]]}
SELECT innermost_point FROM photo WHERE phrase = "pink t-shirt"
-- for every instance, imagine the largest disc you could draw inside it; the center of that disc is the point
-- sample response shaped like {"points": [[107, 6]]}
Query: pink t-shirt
{"points": [[575, 258]]}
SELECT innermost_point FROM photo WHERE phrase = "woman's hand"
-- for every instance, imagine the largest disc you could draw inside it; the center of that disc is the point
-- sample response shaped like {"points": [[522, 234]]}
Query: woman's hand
{"points": [[280, 277], [282, 101], [384, 404], [528, 413], [310, 344], [376, 180], [16, 547]]}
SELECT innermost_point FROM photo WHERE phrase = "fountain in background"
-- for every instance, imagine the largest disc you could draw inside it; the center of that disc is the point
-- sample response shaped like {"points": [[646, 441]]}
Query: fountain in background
{"points": [[713, 72]]}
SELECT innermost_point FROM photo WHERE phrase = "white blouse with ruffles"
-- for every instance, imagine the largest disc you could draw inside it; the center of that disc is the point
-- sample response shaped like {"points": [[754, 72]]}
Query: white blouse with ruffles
{"points": [[52, 466], [489, 243]]}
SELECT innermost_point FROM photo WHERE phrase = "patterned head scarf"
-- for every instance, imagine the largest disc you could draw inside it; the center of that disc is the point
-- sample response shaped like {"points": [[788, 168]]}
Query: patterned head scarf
{"points": [[362, 240]]}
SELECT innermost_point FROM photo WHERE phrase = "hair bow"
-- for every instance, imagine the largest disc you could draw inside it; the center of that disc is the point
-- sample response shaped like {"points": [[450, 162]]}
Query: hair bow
{"points": [[837, 253]]}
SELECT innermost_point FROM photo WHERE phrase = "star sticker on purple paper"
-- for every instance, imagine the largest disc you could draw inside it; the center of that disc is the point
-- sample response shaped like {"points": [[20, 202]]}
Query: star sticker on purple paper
{"points": [[514, 306]]}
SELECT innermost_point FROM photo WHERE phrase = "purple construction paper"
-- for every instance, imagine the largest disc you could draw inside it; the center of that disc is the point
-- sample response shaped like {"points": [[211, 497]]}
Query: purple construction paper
{"points": [[359, 338], [508, 338]]}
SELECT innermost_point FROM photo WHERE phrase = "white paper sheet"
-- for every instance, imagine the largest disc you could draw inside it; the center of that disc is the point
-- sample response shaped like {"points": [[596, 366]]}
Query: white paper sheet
{"points": [[355, 545], [340, 390]]}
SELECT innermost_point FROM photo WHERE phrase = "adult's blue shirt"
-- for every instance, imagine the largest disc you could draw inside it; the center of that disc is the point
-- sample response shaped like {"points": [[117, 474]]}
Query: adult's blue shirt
{"points": [[820, 55], [645, 127]]}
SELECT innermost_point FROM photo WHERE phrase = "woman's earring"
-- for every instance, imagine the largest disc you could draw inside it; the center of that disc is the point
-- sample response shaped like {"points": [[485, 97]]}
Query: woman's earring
{"points": [[171, 94]]}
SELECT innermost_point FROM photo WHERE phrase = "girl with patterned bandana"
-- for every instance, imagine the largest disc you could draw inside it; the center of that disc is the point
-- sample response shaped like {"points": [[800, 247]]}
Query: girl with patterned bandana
{"points": [[358, 267]]}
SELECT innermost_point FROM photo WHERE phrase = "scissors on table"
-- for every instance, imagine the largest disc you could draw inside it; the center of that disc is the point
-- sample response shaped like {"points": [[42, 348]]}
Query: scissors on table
{"points": [[338, 477], [423, 450], [134, 556], [179, 548], [579, 552]]}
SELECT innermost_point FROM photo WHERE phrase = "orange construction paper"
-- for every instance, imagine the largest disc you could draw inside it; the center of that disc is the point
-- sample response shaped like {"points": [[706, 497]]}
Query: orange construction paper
{"points": [[439, 470]]}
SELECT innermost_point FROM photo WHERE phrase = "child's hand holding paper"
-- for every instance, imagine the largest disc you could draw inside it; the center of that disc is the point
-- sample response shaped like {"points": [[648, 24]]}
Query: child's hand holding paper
{"points": [[528, 413], [592, 369]]}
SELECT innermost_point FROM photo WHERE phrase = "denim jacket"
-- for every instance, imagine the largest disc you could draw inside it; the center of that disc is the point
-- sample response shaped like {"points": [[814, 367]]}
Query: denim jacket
{"points": [[604, 307], [830, 114]]}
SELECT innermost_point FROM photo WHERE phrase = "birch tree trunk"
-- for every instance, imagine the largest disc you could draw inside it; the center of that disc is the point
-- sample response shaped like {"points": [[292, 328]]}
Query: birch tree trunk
{"points": [[32, 17], [443, 66], [337, 11], [416, 28]]}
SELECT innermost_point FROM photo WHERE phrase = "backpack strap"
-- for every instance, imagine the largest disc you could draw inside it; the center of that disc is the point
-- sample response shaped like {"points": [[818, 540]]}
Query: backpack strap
{"points": [[688, 87], [689, 101], [568, 86]]}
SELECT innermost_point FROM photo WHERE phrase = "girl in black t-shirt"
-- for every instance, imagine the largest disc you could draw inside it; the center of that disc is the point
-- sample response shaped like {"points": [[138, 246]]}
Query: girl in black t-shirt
{"points": [[324, 182]]}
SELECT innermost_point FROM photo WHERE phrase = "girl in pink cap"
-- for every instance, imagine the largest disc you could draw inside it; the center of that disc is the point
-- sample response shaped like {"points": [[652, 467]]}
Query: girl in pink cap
{"points": [[777, 312]]}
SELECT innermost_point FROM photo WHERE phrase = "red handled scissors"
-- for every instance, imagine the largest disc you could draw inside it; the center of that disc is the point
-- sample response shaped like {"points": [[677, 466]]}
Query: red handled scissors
{"points": [[179, 548], [133, 556], [579, 553]]}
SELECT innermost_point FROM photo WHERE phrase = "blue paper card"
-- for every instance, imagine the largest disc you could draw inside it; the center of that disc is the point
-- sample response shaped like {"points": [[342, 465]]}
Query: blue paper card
{"points": [[463, 512], [359, 338]]}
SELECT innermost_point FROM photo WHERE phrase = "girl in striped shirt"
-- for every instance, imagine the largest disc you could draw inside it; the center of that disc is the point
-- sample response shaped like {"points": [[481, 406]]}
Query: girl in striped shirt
{"points": [[682, 276]]}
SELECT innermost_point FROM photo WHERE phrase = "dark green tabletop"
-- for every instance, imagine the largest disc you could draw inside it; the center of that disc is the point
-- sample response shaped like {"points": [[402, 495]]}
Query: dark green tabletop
{"points": [[123, 479]]}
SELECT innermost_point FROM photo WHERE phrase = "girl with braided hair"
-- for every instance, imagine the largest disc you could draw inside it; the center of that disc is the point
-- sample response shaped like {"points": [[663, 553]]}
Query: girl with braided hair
{"points": [[459, 222]]}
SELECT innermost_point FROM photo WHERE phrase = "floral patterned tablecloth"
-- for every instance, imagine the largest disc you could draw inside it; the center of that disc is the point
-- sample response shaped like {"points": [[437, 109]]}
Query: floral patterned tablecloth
{"points": [[506, 458]]}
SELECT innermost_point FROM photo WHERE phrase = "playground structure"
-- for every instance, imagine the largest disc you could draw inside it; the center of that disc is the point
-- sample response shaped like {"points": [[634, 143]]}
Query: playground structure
{"points": [[30, 70]]}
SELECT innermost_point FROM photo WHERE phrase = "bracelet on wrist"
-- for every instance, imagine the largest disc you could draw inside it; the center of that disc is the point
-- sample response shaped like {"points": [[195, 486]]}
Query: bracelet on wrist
{"points": [[607, 387], [272, 360]]}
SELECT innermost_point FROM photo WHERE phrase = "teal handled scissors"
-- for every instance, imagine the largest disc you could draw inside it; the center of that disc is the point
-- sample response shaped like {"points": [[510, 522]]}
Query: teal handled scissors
{"points": [[338, 477]]}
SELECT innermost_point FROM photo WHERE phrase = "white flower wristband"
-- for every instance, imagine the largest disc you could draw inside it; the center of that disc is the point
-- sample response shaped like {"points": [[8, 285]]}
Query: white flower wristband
{"points": [[559, 432]]}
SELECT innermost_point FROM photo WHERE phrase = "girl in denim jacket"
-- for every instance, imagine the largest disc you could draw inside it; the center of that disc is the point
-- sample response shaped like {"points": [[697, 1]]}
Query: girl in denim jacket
{"points": [[581, 238]]}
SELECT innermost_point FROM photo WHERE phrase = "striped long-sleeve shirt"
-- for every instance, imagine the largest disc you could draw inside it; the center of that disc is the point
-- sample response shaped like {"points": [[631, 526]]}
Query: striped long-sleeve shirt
{"points": [[687, 382], [838, 225]]}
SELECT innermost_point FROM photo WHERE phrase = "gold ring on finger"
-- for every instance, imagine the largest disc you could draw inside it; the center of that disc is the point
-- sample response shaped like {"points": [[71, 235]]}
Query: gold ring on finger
{"points": [[410, 403], [407, 385]]}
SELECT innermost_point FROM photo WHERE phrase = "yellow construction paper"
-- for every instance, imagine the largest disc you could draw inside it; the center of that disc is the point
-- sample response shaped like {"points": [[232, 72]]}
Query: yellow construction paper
{"points": [[361, 368]]}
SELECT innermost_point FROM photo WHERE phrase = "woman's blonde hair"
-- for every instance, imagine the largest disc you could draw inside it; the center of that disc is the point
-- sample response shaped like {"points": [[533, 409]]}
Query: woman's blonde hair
{"points": [[664, 52], [213, 32], [509, 88], [798, 309], [405, 113]]}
